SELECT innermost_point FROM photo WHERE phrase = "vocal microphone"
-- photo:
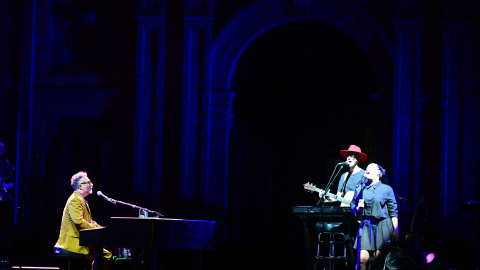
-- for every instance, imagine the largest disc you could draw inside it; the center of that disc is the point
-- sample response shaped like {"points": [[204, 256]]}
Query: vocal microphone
{"points": [[99, 193], [362, 181], [343, 163]]}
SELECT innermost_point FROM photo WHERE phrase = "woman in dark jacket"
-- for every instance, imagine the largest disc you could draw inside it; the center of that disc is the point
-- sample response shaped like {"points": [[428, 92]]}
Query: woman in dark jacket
{"points": [[375, 205]]}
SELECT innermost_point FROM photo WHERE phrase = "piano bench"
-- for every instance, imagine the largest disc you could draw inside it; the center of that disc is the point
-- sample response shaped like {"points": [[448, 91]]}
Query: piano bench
{"points": [[71, 260]]}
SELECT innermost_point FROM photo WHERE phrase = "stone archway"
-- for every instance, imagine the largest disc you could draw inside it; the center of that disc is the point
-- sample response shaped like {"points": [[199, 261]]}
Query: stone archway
{"points": [[264, 15], [240, 33]]}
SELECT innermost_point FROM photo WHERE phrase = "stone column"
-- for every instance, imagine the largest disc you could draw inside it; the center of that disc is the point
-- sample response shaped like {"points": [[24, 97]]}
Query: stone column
{"points": [[25, 103], [198, 23], [149, 97], [217, 122], [406, 106], [455, 86]]}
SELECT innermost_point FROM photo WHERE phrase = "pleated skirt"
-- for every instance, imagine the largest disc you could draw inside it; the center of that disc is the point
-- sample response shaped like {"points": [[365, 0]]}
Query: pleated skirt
{"points": [[375, 234]]}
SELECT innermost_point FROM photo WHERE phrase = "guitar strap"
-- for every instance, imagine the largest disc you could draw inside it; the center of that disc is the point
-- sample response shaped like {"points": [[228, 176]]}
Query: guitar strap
{"points": [[347, 176]]}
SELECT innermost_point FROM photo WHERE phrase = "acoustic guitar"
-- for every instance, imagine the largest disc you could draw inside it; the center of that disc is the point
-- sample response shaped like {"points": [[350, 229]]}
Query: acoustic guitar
{"points": [[412, 254]]}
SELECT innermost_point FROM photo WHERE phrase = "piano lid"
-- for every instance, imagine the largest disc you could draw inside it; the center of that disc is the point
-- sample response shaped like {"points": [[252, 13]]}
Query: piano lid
{"points": [[151, 232]]}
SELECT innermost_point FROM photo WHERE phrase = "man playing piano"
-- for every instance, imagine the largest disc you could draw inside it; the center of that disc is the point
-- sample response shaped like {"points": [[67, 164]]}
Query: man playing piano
{"points": [[77, 216]]}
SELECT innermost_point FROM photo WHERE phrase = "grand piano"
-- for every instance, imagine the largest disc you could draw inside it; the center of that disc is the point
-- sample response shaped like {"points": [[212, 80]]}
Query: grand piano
{"points": [[149, 234]]}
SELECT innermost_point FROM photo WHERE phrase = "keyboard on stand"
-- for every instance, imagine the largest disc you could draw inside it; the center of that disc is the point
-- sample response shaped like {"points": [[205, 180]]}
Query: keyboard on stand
{"points": [[317, 211]]}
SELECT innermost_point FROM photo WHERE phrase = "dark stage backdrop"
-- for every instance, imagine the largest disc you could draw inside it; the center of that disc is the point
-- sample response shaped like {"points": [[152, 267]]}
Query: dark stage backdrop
{"points": [[221, 110]]}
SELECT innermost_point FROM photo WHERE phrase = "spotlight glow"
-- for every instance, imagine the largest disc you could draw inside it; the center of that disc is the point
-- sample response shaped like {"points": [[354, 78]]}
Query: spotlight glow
{"points": [[430, 257]]}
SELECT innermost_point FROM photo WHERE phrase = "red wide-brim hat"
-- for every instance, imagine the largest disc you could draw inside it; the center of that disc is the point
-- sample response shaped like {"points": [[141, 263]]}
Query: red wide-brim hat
{"points": [[355, 150]]}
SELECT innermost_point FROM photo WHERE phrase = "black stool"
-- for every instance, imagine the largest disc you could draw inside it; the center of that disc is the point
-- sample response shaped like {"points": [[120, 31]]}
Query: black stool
{"points": [[71, 260], [331, 246]]}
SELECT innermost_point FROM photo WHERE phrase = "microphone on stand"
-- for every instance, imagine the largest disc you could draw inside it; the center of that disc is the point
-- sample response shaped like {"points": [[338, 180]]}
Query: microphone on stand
{"points": [[99, 193], [362, 182], [343, 163]]}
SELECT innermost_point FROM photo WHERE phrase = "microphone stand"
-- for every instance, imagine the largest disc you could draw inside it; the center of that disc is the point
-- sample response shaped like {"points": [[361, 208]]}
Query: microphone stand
{"points": [[157, 214], [10, 198], [360, 229], [329, 184], [322, 200], [143, 258]]}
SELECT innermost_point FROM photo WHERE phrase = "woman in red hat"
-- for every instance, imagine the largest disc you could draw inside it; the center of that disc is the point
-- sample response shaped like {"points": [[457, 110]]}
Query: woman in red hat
{"points": [[350, 180], [346, 189]]}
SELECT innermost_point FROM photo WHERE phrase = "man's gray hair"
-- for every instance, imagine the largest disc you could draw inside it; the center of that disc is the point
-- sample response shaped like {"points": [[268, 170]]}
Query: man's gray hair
{"points": [[76, 178]]}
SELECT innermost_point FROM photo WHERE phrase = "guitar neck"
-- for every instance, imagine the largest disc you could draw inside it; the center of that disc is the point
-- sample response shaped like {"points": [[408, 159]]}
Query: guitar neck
{"points": [[414, 219], [336, 197]]}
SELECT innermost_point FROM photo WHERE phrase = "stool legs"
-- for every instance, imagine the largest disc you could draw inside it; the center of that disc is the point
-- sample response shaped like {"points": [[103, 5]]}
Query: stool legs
{"points": [[328, 244]]}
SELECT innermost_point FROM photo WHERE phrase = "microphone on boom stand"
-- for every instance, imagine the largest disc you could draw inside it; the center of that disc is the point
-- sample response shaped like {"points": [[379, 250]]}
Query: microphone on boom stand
{"points": [[99, 193]]}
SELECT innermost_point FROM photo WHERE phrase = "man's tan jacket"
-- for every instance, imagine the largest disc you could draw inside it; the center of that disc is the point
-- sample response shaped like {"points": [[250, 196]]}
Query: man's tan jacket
{"points": [[76, 216]]}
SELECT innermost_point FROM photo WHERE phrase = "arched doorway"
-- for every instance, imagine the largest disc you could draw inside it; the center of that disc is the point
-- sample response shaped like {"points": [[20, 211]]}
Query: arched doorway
{"points": [[261, 196], [303, 91]]}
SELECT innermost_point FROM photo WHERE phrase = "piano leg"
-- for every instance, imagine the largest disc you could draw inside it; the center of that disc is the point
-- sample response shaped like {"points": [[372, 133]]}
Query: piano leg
{"points": [[151, 259], [98, 258], [144, 259]]}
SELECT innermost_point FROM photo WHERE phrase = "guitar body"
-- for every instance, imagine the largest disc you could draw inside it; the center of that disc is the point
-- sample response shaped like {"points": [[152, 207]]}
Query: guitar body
{"points": [[412, 255], [6, 177], [349, 197]]}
